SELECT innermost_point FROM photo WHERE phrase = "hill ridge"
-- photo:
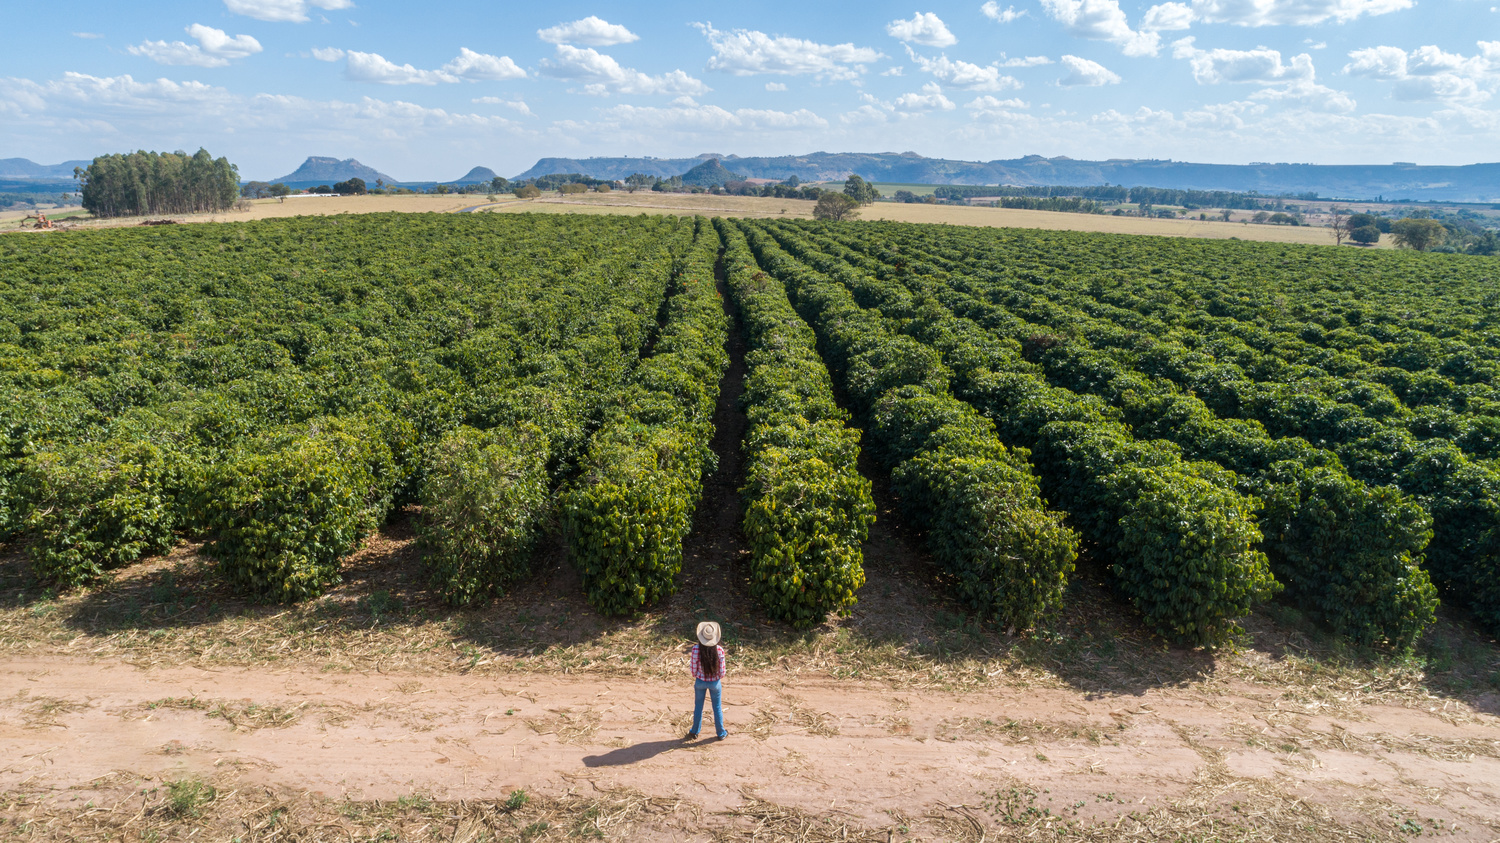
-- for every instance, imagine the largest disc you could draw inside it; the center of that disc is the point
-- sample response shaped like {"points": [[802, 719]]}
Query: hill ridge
{"points": [[477, 175], [25, 168], [318, 169], [1469, 182]]}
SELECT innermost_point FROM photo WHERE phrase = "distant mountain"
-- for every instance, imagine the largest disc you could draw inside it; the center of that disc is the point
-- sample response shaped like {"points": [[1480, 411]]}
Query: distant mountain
{"points": [[21, 168], [478, 175], [708, 174], [1468, 183], [316, 170]]}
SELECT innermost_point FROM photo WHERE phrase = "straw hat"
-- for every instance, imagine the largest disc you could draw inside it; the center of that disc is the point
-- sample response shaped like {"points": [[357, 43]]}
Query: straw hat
{"points": [[708, 634]]}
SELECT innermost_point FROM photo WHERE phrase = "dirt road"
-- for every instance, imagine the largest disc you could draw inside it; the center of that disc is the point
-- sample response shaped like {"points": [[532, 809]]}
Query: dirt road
{"points": [[871, 753]]}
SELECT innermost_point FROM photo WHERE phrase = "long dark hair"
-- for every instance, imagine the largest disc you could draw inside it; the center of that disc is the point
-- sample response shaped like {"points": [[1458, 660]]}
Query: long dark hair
{"points": [[708, 659]]}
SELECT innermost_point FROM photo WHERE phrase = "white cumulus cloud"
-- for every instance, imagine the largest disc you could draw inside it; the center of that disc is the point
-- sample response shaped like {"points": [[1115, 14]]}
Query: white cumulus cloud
{"points": [[1102, 20], [1168, 16], [1430, 73], [601, 75], [279, 11], [865, 114], [992, 10], [215, 48], [1308, 94], [591, 31], [482, 66], [775, 86], [1262, 64], [1228, 116], [744, 52], [966, 75], [930, 99], [373, 67], [1026, 61], [924, 28], [697, 119], [1291, 82], [1292, 12], [988, 105], [1378, 63], [153, 97], [1085, 73], [514, 105], [467, 65]]}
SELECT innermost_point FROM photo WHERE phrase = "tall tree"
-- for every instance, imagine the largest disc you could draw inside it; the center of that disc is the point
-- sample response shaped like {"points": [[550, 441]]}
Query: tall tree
{"points": [[835, 206], [1418, 234], [1340, 226], [861, 191], [143, 182]]}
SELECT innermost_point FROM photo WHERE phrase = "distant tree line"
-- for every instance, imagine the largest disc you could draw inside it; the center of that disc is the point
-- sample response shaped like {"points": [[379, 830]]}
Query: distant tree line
{"points": [[1463, 231], [1065, 204], [33, 200], [357, 186], [140, 183], [780, 190], [553, 181], [1124, 195], [261, 190], [791, 188]]}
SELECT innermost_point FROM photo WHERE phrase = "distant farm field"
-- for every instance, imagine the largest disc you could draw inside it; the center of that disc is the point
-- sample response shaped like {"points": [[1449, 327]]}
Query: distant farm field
{"points": [[749, 206], [311, 206], [691, 204], [890, 188]]}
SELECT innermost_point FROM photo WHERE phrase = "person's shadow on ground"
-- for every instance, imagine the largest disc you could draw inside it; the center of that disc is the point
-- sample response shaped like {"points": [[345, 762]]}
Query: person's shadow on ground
{"points": [[639, 752]]}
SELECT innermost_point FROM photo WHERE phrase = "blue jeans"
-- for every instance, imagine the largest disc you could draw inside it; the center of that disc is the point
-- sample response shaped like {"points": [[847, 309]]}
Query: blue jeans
{"points": [[714, 688]]}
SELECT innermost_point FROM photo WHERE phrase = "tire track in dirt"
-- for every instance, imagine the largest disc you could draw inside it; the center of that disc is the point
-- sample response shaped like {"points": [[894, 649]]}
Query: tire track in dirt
{"points": [[862, 749]]}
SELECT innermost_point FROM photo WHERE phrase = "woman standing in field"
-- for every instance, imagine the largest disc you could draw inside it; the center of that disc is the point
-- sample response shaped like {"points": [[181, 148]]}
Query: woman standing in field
{"points": [[706, 662]]}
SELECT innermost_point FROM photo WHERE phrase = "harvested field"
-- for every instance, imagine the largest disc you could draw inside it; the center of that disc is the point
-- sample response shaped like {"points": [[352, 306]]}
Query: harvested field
{"points": [[755, 207], [646, 202], [1056, 221], [313, 206]]}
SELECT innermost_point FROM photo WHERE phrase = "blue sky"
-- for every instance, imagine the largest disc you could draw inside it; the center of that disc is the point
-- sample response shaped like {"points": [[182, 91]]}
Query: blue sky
{"points": [[428, 90]]}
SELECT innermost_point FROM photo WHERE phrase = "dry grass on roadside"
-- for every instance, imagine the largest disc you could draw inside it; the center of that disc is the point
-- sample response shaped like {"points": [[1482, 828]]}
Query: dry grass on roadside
{"points": [[122, 806], [221, 809], [241, 716], [1292, 734], [42, 711]]}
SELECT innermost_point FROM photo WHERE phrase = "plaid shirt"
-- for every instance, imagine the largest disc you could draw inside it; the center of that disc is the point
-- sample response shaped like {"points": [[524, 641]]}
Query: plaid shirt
{"points": [[696, 666]]}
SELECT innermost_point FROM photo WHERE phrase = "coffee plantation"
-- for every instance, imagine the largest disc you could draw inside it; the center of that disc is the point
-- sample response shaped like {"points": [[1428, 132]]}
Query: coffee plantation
{"points": [[1213, 424]]}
